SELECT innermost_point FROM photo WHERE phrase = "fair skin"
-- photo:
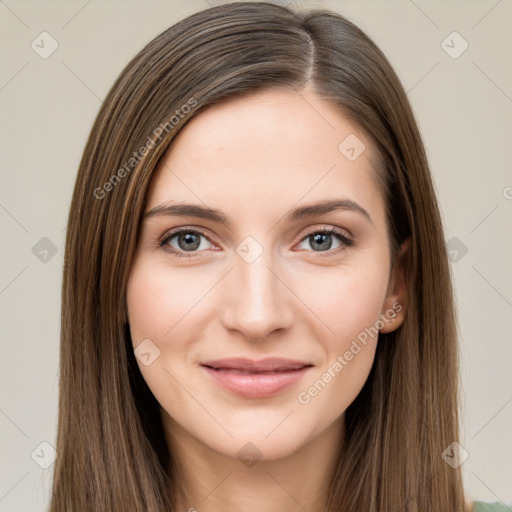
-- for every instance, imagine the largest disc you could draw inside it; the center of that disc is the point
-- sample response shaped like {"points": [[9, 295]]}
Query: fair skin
{"points": [[256, 159]]}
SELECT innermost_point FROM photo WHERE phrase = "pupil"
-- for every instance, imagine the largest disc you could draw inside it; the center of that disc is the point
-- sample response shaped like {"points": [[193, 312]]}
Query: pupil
{"points": [[320, 241], [190, 240]]}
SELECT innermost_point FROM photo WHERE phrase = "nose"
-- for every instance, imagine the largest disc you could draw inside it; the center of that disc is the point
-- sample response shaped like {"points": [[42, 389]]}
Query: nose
{"points": [[258, 301]]}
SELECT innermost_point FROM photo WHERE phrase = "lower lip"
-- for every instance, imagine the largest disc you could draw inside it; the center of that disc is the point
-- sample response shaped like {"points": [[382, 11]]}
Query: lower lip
{"points": [[256, 385]]}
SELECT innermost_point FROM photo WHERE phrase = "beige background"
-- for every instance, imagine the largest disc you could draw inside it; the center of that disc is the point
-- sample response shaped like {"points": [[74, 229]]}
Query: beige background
{"points": [[463, 106]]}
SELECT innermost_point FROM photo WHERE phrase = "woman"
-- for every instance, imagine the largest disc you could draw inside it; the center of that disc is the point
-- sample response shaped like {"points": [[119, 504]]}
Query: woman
{"points": [[257, 311]]}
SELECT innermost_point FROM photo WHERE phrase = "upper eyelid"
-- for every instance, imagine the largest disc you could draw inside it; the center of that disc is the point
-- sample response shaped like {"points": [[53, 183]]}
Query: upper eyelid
{"points": [[328, 228], [173, 232]]}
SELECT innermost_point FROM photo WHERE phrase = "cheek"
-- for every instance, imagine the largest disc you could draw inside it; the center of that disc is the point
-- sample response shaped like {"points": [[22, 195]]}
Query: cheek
{"points": [[161, 302], [348, 304], [345, 300], [163, 306]]}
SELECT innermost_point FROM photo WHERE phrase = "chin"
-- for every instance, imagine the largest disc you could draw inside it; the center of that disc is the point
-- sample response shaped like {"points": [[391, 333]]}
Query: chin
{"points": [[259, 448]]}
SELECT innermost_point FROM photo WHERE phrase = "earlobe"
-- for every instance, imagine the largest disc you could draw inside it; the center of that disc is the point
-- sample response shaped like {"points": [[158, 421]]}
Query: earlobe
{"points": [[394, 309]]}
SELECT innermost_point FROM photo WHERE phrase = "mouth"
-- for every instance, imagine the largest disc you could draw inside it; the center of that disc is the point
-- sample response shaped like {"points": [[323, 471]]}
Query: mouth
{"points": [[255, 379]]}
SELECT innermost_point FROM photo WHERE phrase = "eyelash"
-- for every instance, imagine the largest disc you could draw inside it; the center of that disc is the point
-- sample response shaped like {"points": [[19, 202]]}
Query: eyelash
{"points": [[344, 239]]}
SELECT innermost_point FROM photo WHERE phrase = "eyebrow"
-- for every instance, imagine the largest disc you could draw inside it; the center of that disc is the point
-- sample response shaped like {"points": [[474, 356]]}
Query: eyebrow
{"points": [[303, 212]]}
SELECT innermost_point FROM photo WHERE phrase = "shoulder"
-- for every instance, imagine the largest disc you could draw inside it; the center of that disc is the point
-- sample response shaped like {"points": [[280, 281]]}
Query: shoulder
{"points": [[480, 506]]}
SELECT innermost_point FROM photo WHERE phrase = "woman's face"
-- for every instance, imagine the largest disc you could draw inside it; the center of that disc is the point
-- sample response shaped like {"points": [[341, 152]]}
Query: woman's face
{"points": [[251, 276]]}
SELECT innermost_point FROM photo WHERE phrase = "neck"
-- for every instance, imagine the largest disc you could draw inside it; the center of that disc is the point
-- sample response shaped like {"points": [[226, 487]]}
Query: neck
{"points": [[208, 481]]}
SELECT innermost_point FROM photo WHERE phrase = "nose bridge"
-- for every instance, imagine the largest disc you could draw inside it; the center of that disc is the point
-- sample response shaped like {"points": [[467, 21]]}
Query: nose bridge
{"points": [[258, 302]]}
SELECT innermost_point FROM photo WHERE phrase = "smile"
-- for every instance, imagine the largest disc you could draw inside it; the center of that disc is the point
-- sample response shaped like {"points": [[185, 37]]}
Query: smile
{"points": [[255, 379]]}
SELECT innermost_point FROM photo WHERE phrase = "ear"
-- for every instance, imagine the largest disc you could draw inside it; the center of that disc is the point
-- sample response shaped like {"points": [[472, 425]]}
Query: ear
{"points": [[394, 308]]}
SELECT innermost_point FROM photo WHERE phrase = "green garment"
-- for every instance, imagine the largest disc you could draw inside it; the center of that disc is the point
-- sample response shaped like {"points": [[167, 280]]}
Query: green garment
{"points": [[480, 506]]}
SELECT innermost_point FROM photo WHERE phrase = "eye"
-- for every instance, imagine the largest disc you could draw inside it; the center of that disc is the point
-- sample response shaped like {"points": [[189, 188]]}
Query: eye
{"points": [[182, 241], [322, 240], [191, 241]]}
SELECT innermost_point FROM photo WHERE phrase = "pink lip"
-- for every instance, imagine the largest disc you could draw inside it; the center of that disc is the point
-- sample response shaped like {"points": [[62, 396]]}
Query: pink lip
{"points": [[256, 379]]}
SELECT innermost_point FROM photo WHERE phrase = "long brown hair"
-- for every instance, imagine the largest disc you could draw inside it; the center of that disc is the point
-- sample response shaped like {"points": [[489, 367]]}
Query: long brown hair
{"points": [[112, 453]]}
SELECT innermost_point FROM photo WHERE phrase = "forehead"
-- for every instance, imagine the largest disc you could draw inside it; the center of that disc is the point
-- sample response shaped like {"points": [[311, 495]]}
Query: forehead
{"points": [[272, 148]]}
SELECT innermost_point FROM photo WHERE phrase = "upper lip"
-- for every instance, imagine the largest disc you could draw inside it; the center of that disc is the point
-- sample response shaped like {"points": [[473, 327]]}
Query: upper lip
{"points": [[271, 364]]}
